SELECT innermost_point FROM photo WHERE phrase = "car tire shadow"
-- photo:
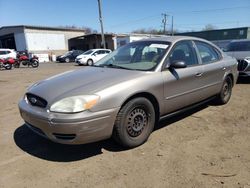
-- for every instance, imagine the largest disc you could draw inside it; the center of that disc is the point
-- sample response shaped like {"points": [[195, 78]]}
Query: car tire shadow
{"points": [[43, 148], [243, 80]]}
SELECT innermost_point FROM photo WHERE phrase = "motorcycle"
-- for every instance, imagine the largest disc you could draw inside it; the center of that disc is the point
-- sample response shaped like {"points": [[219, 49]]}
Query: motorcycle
{"points": [[24, 60], [7, 63]]}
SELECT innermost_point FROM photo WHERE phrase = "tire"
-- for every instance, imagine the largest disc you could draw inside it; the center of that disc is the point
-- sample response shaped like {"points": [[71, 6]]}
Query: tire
{"points": [[16, 65], [90, 62], [24, 63], [8, 66], [34, 64], [226, 91], [67, 60], [134, 123]]}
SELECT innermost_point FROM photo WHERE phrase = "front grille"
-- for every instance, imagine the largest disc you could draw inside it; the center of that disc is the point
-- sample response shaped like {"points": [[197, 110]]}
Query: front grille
{"points": [[242, 64], [35, 100], [64, 136]]}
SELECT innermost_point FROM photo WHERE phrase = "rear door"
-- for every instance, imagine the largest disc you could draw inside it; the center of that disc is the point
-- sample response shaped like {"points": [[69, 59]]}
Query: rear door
{"points": [[213, 67]]}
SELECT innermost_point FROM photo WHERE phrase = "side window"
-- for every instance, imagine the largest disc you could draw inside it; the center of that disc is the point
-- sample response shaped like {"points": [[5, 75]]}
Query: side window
{"points": [[99, 52], [7, 52], [207, 52], [2, 52], [184, 51]]}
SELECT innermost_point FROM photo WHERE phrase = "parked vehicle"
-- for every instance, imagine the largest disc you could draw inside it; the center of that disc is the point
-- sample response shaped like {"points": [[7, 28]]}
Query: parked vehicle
{"points": [[240, 49], [22, 58], [91, 56], [124, 94], [69, 56], [6, 53], [7, 63]]}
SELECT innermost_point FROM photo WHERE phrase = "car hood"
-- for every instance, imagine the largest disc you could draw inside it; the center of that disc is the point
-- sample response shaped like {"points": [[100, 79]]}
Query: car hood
{"points": [[81, 82], [81, 56]]}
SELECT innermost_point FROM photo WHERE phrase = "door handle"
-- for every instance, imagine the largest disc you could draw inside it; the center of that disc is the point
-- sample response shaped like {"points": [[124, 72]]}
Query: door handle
{"points": [[199, 74]]}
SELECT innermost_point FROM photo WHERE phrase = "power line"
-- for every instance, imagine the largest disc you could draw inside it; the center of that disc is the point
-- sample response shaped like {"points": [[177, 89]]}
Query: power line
{"points": [[220, 9], [152, 17]]}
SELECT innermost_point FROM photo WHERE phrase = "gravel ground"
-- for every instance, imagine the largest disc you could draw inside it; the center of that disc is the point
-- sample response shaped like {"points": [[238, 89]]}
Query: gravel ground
{"points": [[206, 147]]}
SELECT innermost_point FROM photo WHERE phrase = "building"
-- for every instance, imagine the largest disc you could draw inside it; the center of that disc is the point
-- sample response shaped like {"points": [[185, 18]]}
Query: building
{"points": [[92, 41], [37, 39], [221, 37], [123, 39]]}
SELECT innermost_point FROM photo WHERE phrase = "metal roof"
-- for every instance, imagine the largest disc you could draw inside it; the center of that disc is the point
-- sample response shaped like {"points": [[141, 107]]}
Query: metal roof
{"points": [[43, 28]]}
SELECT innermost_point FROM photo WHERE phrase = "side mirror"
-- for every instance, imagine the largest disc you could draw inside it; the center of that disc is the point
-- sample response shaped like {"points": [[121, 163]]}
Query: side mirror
{"points": [[178, 64]]}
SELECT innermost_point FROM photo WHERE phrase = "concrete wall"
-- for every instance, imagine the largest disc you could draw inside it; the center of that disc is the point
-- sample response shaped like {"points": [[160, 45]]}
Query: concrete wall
{"points": [[49, 41], [45, 41]]}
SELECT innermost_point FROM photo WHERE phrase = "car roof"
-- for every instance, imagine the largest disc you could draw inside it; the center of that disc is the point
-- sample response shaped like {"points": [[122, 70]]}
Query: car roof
{"points": [[3, 49], [173, 39], [241, 40], [99, 49]]}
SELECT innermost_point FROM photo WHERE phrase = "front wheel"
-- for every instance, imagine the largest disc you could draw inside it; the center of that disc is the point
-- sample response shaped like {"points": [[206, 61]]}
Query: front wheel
{"points": [[226, 91], [134, 122], [35, 64], [67, 60], [90, 62]]}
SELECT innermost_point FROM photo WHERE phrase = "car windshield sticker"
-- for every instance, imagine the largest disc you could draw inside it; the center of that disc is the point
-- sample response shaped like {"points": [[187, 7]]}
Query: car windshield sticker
{"points": [[163, 46]]}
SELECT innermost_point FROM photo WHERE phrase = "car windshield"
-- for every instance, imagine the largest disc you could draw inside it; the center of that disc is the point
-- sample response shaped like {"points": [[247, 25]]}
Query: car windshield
{"points": [[141, 55], [88, 52], [68, 53]]}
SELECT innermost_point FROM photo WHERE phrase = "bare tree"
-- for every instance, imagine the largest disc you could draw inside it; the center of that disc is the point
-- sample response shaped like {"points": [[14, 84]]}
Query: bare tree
{"points": [[209, 27]]}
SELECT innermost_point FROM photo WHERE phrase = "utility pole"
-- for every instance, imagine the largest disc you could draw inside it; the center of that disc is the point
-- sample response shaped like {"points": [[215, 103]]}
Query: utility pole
{"points": [[172, 26], [101, 23], [164, 21]]}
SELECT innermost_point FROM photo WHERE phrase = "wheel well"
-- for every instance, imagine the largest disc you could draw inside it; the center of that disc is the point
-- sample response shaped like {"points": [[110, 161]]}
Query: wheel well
{"points": [[232, 78], [151, 98]]}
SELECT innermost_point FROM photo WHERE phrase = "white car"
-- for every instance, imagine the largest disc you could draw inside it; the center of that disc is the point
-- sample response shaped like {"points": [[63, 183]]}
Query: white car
{"points": [[6, 53], [91, 56]]}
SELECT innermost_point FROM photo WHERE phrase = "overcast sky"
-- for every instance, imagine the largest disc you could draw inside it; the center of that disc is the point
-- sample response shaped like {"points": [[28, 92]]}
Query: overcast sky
{"points": [[125, 16]]}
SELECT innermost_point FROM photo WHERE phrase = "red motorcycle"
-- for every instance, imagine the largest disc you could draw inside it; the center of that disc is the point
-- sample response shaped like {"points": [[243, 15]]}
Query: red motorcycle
{"points": [[24, 60], [7, 63]]}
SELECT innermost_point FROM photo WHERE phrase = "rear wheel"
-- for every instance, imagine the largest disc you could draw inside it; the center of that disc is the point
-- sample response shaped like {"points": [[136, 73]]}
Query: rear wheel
{"points": [[16, 65], [226, 91], [134, 122], [35, 64]]}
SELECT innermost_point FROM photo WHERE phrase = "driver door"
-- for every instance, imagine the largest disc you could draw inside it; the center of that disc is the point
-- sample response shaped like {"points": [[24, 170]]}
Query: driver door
{"points": [[182, 86]]}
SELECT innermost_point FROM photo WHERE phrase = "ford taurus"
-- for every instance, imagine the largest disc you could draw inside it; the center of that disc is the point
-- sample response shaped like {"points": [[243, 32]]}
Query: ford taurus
{"points": [[125, 94]]}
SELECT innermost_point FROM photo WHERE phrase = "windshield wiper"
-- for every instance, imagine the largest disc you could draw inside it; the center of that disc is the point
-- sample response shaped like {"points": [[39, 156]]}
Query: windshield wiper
{"points": [[115, 66]]}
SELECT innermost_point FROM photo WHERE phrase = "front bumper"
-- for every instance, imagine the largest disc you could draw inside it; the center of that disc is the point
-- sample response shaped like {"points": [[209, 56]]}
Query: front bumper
{"points": [[79, 128], [81, 62]]}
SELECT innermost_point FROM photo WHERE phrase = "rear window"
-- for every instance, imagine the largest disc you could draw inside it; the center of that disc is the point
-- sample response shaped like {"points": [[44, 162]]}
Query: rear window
{"points": [[238, 46]]}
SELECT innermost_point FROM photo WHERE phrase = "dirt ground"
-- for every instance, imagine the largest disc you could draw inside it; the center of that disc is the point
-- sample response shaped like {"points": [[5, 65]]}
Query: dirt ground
{"points": [[206, 147]]}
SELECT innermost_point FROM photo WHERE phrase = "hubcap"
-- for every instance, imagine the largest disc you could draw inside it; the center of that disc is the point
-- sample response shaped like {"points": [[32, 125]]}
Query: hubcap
{"points": [[225, 89], [137, 120]]}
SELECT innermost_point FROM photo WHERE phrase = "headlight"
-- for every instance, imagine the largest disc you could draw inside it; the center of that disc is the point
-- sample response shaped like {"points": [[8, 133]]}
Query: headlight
{"points": [[75, 104]]}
